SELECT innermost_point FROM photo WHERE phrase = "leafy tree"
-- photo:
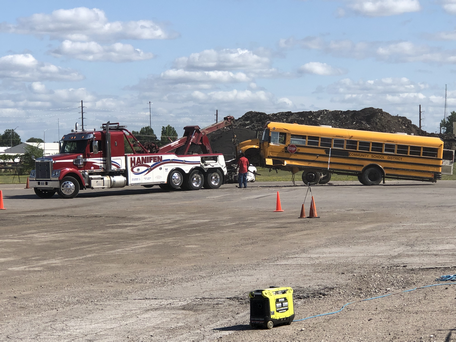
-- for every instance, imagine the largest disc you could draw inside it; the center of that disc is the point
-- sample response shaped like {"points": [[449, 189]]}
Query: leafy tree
{"points": [[10, 138], [8, 157], [167, 133], [447, 123], [38, 140], [145, 134], [28, 158]]}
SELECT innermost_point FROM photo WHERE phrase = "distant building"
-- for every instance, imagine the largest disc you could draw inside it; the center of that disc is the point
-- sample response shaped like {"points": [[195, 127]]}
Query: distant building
{"points": [[48, 149]]}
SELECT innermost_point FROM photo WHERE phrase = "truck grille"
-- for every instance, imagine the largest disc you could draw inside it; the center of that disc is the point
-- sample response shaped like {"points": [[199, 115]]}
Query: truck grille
{"points": [[43, 169]]}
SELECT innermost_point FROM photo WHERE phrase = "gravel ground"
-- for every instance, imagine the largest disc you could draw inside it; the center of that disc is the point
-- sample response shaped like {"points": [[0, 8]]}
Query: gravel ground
{"points": [[146, 265]]}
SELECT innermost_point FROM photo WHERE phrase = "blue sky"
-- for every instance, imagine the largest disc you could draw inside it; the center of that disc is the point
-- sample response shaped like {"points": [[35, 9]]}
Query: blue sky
{"points": [[191, 58]]}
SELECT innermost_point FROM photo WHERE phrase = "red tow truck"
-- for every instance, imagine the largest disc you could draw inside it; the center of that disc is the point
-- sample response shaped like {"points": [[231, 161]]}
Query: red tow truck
{"points": [[113, 158]]}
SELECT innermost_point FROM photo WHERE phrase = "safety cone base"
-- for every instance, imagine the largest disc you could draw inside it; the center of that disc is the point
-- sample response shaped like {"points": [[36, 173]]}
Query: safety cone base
{"points": [[313, 210]]}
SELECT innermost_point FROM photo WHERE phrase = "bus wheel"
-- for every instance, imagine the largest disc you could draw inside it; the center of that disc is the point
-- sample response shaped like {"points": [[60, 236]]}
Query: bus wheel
{"points": [[311, 177], [371, 176], [325, 177], [360, 178]]}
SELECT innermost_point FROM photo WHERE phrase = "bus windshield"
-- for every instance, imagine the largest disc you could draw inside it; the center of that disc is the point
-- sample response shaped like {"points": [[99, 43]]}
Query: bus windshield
{"points": [[75, 146], [265, 137]]}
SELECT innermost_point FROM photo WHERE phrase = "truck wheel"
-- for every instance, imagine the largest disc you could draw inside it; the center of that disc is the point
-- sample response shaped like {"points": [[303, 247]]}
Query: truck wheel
{"points": [[44, 193], [372, 176], [270, 325], [310, 177], [69, 187], [175, 179], [213, 179], [194, 181]]}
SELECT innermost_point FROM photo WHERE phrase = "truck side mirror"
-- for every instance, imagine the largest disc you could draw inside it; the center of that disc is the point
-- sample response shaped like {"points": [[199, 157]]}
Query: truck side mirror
{"points": [[94, 146]]}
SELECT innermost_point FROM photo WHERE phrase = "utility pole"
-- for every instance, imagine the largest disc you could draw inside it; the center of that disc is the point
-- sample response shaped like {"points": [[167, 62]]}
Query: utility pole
{"points": [[82, 114], [11, 136], [216, 115], [419, 118], [150, 115], [445, 108]]}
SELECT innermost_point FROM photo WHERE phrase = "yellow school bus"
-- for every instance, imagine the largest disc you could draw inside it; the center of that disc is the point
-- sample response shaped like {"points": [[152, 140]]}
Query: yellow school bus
{"points": [[319, 151]]}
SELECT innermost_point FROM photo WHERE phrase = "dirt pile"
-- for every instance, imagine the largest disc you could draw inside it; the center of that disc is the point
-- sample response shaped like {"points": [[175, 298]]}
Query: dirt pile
{"points": [[368, 119]]}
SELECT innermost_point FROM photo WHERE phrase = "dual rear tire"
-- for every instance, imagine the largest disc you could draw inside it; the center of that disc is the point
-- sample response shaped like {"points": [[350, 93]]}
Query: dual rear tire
{"points": [[312, 177], [195, 180]]}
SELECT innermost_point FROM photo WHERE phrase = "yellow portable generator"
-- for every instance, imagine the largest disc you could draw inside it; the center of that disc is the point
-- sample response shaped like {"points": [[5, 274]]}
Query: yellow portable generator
{"points": [[271, 307]]}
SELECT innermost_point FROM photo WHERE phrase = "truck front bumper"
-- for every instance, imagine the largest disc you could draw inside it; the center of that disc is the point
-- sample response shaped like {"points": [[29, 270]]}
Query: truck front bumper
{"points": [[44, 184]]}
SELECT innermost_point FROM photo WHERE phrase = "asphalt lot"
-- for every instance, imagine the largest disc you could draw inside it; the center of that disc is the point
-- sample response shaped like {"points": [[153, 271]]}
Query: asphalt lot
{"points": [[138, 264]]}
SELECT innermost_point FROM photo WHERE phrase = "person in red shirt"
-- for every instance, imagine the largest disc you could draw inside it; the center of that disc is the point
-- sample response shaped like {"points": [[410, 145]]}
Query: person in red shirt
{"points": [[243, 163]]}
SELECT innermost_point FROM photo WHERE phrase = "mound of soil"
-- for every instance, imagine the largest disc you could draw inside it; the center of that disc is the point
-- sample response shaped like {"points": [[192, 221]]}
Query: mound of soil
{"points": [[368, 119]]}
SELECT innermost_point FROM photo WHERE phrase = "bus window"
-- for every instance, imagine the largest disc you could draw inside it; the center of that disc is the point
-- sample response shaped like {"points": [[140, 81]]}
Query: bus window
{"points": [[377, 147], [402, 149], [313, 141], [278, 138], [351, 145], [298, 139], [415, 151], [364, 146], [339, 143], [429, 152], [390, 148], [325, 142]]}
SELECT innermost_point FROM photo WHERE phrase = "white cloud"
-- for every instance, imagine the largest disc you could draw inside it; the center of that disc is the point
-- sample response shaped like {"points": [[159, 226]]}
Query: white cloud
{"points": [[451, 35], [393, 52], [25, 67], [449, 6], [388, 85], [38, 88], [245, 96], [92, 51], [179, 75], [226, 59], [84, 24], [378, 8], [318, 68]]}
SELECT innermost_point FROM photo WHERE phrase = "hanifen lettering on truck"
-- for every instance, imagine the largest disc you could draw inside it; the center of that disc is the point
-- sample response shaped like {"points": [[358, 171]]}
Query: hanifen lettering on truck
{"points": [[113, 158], [319, 151]]}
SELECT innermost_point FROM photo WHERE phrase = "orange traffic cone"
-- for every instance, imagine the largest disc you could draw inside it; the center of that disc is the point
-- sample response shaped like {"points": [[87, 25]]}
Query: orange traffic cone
{"points": [[278, 205], [303, 212], [1, 201], [313, 209], [27, 185]]}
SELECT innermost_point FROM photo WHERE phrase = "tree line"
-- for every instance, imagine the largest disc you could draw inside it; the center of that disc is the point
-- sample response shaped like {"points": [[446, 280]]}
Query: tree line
{"points": [[146, 134], [447, 123]]}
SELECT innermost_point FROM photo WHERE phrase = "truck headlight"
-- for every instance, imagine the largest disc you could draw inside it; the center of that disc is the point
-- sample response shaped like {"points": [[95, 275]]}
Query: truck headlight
{"points": [[55, 173], [32, 174]]}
